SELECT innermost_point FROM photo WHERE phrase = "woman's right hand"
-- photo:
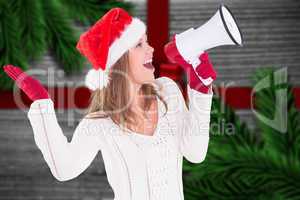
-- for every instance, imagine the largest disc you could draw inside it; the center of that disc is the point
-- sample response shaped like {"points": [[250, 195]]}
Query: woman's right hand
{"points": [[30, 86]]}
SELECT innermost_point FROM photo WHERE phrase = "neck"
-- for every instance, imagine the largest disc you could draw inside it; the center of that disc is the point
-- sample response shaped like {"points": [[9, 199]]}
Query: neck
{"points": [[136, 98]]}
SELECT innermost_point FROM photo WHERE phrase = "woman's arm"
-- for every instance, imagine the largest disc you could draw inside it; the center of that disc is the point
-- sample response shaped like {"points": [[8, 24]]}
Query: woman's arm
{"points": [[66, 160], [193, 123]]}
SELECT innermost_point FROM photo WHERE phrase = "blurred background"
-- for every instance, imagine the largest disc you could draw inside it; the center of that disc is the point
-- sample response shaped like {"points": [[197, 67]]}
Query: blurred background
{"points": [[254, 150]]}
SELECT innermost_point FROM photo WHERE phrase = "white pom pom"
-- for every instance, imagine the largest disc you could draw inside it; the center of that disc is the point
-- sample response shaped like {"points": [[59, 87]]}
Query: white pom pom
{"points": [[96, 79]]}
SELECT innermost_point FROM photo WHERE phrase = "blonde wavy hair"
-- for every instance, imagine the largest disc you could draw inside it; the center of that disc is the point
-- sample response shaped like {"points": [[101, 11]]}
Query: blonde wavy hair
{"points": [[113, 100]]}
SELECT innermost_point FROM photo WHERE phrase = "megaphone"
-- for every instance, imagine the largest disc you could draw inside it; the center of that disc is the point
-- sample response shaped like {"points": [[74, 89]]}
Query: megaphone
{"points": [[221, 29]]}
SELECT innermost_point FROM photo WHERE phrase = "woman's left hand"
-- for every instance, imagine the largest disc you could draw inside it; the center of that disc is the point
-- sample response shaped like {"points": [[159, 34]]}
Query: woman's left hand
{"points": [[201, 77], [205, 70]]}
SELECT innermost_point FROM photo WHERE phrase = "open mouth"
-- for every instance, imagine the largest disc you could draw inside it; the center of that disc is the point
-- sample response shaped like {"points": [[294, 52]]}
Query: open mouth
{"points": [[148, 64]]}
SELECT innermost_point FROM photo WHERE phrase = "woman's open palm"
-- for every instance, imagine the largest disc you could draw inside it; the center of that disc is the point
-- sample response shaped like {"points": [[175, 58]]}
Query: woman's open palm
{"points": [[29, 85]]}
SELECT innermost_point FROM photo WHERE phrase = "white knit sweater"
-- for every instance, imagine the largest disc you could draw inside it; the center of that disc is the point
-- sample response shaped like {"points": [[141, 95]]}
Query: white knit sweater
{"points": [[138, 167]]}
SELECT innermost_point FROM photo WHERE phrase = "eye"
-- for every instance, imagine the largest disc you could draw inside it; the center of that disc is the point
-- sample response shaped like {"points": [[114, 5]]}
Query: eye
{"points": [[139, 44]]}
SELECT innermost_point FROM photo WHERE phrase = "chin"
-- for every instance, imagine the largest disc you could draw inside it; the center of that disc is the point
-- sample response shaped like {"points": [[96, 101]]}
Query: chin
{"points": [[152, 79], [149, 80]]}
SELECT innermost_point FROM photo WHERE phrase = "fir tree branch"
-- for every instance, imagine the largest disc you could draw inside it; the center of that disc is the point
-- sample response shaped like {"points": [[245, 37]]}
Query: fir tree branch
{"points": [[286, 144], [243, 176], [61, 37], [89, 11], [10, 40], [31, 27], [244, 166]]}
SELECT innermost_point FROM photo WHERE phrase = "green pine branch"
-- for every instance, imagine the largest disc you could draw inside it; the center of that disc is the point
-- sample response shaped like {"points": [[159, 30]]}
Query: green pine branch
{"points": [[230, 130], [244, 165], [10, 47], [83, 11], [268, 101], [31, 27], [61, 37], [90, 11]]}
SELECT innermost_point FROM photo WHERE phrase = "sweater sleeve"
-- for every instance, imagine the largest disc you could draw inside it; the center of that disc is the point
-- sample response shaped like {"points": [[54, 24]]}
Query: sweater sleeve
{"points": [[66, 160], [193, 123]]}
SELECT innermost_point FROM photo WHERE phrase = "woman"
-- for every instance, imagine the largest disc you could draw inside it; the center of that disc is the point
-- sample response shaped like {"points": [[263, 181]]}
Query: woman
{"points": [[140, 124]]}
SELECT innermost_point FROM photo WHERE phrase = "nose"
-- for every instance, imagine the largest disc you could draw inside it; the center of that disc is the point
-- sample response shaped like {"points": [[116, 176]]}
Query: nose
{"points": [[150, 49]]}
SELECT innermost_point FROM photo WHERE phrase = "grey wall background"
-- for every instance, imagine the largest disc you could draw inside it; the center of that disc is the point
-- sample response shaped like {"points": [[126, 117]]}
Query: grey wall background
{"points": [[271, 30]]}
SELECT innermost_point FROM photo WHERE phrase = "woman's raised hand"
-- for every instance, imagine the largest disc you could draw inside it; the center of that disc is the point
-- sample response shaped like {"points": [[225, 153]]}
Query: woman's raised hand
{"points": [[205, 70], [201, 77], [30, 86]]}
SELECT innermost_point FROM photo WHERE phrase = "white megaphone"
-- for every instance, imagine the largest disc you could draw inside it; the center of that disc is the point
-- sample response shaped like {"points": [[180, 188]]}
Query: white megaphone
{"points": [[221, 29]]}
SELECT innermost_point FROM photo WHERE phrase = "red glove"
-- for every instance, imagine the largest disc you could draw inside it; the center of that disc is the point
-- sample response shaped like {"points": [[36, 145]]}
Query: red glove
{"points": [[199, 79], [30, 86]]}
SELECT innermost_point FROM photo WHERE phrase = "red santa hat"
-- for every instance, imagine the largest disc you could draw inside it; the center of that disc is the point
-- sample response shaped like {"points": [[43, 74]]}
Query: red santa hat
{"points": [[106, 41]]}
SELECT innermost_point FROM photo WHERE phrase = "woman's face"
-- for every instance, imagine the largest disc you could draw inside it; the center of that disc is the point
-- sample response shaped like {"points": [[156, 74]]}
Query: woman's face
{"points": [[141, 69]]}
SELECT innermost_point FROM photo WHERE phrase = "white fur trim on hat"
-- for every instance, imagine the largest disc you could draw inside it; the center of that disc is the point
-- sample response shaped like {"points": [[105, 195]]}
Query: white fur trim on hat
{"points": [[96, 79], [129, 37]]}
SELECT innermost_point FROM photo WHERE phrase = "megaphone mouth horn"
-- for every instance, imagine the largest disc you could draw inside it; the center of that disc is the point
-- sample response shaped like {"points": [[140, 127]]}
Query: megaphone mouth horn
{"points": [[226, 25]]}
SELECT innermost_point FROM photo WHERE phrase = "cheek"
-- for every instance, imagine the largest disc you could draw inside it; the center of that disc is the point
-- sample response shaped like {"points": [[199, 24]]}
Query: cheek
{"points": [[136, 60], [138, 72]]}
